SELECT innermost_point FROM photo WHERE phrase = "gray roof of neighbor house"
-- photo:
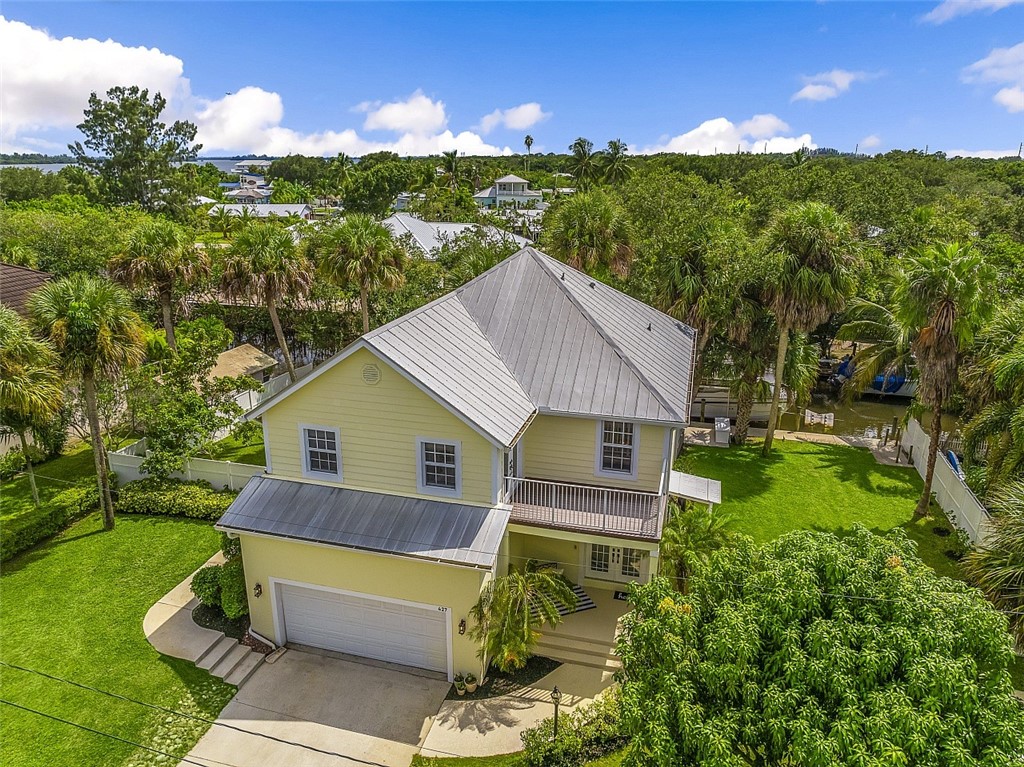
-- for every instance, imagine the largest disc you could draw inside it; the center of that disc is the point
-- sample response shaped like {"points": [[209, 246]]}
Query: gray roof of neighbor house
{"points": [[534, 335], [17, 283], [438, 531], [511, 178], [243, 360], [429, 236], [485, 192], [263, 210]]}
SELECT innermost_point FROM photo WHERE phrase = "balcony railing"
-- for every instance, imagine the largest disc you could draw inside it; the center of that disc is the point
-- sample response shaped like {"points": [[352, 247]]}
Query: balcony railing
{"points": [[585, 508]]}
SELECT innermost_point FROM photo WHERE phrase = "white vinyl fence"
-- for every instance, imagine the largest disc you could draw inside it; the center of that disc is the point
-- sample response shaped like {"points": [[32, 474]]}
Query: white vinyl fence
{"points": [[951, 492], [221, 474]]}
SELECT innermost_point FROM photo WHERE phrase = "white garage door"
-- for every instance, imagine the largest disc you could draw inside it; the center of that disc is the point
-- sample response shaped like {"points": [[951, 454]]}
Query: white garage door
{"points": [[366, 626]]}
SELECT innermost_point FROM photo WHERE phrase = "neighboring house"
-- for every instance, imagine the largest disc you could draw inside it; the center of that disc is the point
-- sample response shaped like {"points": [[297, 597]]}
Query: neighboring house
{"points": [[508, 190], [532, 413], [406, 199], [243, 360], [266, 210], [429, 236], [247, 166], [17, 283], [250, 195]]}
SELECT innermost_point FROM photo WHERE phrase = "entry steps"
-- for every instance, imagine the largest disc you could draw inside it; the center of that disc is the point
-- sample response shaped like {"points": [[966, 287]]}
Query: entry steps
{"points": [[230, 660], [579, 651]]}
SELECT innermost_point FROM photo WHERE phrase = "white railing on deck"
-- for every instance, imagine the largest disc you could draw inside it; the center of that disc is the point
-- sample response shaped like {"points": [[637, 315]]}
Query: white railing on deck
{"points": [[585, 507]]}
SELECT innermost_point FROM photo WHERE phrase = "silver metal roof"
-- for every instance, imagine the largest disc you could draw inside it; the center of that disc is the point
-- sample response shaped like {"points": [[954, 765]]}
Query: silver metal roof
{"points": [[429, 236], [414, 527]]}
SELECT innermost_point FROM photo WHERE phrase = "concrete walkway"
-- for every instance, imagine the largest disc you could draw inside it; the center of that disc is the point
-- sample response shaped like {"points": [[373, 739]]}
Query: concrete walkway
{"points": [[169, 626], [495, 725]]}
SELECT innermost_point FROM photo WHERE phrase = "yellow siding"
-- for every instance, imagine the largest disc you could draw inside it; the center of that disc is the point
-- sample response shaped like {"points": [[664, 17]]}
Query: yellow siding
{"points": [[379, 425], [565, 449], [456, 588]]}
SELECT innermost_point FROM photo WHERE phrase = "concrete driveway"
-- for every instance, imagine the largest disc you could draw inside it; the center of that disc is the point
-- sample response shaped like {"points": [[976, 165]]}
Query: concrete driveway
{"points": [[376, 714]]}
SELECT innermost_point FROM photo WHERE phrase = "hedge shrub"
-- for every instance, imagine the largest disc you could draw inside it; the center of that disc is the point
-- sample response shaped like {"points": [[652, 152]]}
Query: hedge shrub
{"points": [[13, 461], [50, 518], [173, 497], [206, 585], [233, 596], [583, 736]]}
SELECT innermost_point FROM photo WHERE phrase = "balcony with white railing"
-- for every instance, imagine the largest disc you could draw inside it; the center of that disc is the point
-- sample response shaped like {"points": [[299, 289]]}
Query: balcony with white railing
{"points": [[585, 508]]}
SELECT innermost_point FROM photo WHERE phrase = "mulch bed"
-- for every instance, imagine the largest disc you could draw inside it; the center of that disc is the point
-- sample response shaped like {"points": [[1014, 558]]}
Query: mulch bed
{"points": [[499, 683], [215, 620]]}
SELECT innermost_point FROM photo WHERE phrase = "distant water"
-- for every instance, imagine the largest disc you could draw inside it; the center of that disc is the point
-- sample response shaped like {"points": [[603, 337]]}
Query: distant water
{"points": [[54, 167]]}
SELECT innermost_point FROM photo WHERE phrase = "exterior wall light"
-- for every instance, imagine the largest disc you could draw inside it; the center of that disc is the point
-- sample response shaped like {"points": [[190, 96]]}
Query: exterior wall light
{"points": [[556, 698], [257, 590], [462, 626]]}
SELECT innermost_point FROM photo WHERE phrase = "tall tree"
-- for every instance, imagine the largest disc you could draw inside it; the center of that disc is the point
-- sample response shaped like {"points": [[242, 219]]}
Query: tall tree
{"points": [[944, 293], [162, 257], [452, 168], [528, 143], [812, 248], [264, 265], [360, 253], [224, 221], [886, 345], [584, 163], [590, 231], [615, 164], [135, 155], [30, 384], [97, 335]]}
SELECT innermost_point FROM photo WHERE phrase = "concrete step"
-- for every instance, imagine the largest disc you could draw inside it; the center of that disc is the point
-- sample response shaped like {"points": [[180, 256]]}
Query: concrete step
{"points": [[580, 658], [213, 656], [231, 659], [577, 644], [245, 669]]}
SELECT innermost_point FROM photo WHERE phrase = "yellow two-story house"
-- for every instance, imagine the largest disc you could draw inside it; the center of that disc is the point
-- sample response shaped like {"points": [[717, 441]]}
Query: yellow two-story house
{"points": [[532, 413]]}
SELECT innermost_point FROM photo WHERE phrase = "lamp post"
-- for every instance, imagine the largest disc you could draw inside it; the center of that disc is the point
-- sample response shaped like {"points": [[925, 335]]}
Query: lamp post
{"points": [[556, 698]]}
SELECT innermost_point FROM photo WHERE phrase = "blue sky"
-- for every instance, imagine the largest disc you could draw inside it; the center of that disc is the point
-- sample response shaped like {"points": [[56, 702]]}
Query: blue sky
{"points": [[327, 77]]}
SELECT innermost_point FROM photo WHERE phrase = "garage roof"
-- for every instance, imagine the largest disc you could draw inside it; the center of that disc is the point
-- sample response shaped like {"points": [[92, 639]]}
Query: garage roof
{"points": [[438, 531]]}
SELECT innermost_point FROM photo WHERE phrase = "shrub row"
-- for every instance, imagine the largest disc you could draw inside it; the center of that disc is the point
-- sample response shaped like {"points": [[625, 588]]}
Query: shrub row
{"points": [[13, 461], [223, 587], [54, 515], [583, 736], [171, 497]]}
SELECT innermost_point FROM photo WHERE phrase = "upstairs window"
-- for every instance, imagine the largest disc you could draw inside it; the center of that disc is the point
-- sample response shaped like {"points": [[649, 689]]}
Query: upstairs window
{"points": [[439, 470], [617, 449], [321, 450]]}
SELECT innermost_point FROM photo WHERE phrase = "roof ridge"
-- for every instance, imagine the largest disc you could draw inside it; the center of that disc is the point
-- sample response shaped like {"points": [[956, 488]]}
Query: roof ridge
{"points": [[627, 360]]}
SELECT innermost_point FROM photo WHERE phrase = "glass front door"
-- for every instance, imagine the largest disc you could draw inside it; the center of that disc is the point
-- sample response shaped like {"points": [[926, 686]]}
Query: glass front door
{"points": [[616, 563]]}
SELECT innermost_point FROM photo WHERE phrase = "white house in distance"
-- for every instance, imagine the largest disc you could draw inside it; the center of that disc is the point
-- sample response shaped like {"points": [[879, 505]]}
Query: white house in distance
{"points": [[508, 190], [266, 210], [429, 236]]}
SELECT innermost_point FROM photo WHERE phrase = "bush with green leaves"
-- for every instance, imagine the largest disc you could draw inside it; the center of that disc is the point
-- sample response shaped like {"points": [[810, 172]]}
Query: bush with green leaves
{"points": [[583, 736], [234, 599], [174, 498], [817, 650], [13, 461], [206, 585], [25, 531]]}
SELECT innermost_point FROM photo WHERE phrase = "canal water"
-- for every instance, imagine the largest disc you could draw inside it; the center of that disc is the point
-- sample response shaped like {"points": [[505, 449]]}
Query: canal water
{"points": [[868, 416]]}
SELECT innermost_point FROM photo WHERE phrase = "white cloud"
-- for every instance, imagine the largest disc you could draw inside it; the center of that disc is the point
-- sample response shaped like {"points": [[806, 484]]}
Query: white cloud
{"points": [[761, 133], [515, 118], [827, 85], [1002, 66], [418, 114], [950, 9], [47, 81], [870, 142], [989, 154]]}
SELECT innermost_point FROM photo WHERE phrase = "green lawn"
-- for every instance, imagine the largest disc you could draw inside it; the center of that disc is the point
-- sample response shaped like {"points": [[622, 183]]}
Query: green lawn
{"points": [[811, 486], [230, 449], [51, 477], [73, 607]]}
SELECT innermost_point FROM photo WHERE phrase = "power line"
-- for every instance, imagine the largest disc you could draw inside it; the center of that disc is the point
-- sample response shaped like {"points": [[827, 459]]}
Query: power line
{"points": [[55, 718]]}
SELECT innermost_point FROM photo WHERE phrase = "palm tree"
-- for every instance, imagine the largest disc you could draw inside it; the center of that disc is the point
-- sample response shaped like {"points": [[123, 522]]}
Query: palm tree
{"points": [[751, 338], [945, 292], [451, 166], [528, 143], [264, 265], [813, 249], [223, 221], [340, 170], [162, 257], [584, 163], [590, 231], [886, 350], [615, 165], [30, 384], [96, 333], [997, 566], [513, 607], [362, 253], [693, 533]]}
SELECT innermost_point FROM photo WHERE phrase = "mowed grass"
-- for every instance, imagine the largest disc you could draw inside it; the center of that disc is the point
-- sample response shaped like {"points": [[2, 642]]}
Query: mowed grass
{"points": [[230, 449], [812, 486], [73, 608], [51, 477]]}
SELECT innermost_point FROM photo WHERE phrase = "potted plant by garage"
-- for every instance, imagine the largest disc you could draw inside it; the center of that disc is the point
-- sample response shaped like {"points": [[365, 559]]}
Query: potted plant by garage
{"points": [[470, 683], [460, 684]]}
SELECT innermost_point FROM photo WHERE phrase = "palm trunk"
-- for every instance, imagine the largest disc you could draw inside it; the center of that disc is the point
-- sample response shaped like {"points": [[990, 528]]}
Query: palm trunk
{"points": [[744, 407], [99, 452], [698, 365], [935, 432], [364, 306], [165, 308], [28, 467], [780, 369], [279, 332]]}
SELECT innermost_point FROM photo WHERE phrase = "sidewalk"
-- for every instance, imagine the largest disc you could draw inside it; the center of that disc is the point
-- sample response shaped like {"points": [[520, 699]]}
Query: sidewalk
{"points": [[169, 626]]}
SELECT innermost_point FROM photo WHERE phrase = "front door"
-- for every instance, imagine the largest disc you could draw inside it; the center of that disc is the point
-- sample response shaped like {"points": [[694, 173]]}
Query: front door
{"points": [[616, 563]]}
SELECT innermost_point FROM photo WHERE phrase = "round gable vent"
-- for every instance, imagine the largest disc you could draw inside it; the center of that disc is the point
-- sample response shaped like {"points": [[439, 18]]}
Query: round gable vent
{"points": [[371, 375]]}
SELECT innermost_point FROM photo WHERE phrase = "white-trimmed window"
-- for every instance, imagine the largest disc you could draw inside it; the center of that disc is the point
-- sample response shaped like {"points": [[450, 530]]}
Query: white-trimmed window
{"points": [[600, 558], [439, 467], [321, 452], [617, 449]]}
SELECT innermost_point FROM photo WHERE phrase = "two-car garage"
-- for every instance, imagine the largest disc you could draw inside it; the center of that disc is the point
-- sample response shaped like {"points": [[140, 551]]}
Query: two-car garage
{"points": [[365, 625]]}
